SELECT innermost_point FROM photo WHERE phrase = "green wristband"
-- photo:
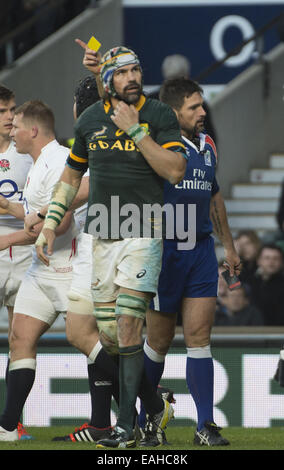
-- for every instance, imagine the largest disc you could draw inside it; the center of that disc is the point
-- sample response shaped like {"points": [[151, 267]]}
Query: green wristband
{"points": [[136, 132]]}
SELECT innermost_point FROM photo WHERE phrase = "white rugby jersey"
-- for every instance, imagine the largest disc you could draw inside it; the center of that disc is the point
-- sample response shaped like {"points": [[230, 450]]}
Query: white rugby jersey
{"points": [[14, 168], [42, 177]]}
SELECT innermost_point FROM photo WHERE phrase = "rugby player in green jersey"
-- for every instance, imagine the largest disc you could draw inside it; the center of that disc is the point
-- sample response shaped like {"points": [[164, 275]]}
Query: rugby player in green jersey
{"points": [[131, 145]]}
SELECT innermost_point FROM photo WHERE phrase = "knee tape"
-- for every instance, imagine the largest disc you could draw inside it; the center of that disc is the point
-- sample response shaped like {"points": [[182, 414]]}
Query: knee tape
{"points": [[80, 302], [107, 326], [131, 305]]}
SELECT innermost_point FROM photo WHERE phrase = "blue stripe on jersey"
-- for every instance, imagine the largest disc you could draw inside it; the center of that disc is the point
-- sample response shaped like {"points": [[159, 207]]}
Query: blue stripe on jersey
{"points": [[197, 187]]}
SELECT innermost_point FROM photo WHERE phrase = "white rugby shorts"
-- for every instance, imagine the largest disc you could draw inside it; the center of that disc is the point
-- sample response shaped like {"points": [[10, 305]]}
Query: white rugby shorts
{"points": [[80, 298], [14, 263], [133, 263], [42, 298]]}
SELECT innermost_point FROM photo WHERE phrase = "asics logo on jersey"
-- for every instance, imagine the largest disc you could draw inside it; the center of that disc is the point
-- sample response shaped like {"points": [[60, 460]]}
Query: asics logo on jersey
{"points": [[141, 274]]}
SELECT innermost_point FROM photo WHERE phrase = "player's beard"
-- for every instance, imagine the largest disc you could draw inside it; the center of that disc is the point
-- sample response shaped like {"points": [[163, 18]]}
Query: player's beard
{"points": [[192, 131], [131, 95], [199, 127]]}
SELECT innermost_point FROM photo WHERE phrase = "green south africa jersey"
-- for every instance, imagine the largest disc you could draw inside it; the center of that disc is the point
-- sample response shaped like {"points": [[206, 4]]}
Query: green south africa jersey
{"points": [[122, 183]]}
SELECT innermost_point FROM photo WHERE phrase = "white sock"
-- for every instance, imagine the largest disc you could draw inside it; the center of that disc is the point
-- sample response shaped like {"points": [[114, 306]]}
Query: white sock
{"points": [[93, 354], [200, 352], [153, 355], [23, 364]]}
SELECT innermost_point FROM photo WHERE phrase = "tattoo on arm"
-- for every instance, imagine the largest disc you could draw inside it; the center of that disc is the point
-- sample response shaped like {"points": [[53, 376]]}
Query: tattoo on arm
{"points": [[216, 220]]}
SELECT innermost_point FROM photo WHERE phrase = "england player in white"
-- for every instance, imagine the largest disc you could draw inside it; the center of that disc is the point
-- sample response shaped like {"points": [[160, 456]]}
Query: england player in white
{"points": [[15, 260], [36, 195], [43, 292], [13, 172]]}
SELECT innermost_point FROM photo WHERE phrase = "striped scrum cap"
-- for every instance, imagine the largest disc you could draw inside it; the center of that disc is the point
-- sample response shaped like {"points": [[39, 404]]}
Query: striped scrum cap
{"points": [[113, 60]]}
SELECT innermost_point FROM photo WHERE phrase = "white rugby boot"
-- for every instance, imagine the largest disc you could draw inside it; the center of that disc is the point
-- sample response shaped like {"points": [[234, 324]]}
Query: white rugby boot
{"points": [[8, 435]]}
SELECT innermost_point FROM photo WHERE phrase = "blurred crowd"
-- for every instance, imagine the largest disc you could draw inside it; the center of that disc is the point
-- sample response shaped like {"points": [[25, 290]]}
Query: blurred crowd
{"points": [[51, 15], [260, 300]]}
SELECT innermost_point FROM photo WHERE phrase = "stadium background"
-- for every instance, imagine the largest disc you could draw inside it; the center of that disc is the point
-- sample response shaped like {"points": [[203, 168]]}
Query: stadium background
{"points": [[245, 393], [245, 359]]}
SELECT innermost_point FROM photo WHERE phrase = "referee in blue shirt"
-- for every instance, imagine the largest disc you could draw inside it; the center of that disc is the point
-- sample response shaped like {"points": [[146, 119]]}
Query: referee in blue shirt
{"points": [[189, 277]]}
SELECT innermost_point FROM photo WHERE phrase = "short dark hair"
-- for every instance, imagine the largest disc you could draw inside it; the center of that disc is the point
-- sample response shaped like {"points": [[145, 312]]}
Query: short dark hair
{"points": [[86, 94], [174, 91], [40, 113], [271, 246], [6, 94]]}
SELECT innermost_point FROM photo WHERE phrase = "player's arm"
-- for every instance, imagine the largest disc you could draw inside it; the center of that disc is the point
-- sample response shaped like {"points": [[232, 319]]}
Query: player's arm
{"points": [[12, 208], [21, 237], [91, 61], [166, 163], [62, 197], [15, 239], [218, 216], [36, 217], [82, 194]]}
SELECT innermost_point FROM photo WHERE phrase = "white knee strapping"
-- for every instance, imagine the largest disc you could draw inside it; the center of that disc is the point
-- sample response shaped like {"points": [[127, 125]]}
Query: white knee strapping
{"points": [[107, 326], [153, 355], [80, 301], [131, 305], [199, 353], [23, 364]]}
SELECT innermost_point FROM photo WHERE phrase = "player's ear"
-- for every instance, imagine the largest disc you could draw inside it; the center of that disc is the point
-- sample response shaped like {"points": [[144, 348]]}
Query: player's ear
{"points": [[176, 112], [34, 131]]}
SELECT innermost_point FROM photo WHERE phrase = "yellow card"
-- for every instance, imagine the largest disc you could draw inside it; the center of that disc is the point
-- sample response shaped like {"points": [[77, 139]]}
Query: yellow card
{"points": [[94, 44]]}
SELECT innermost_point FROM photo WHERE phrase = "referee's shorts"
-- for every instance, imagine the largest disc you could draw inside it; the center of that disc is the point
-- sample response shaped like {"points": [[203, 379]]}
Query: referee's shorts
{"points": [[186, 273]]}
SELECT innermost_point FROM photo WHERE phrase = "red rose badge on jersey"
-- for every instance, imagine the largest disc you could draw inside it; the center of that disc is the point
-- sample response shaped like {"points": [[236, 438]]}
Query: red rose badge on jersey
{"points": [[4, 165]]}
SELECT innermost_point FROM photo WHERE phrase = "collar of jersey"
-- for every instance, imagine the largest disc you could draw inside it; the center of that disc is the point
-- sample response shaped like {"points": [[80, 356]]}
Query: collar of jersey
{"points": [[191, 144], [47, 148], [10, 146], [138, 106]]}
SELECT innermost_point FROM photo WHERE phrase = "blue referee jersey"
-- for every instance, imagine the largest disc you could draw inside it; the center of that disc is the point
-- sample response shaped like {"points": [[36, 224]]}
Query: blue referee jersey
{"points": [[198, 186], [192, 272]]}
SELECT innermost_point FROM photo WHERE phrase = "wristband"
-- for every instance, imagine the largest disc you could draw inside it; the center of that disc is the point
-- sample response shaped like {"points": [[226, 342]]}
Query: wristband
{"points": [[42, 217], [136, 132]]}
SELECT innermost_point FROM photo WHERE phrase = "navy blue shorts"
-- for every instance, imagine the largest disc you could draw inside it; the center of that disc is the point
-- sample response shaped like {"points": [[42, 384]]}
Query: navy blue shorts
{"points": [[186, 273]]}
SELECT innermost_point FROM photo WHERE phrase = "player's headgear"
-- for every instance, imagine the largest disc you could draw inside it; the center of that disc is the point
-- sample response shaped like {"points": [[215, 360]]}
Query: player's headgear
{"points": [[86, 93], [111, 61]]}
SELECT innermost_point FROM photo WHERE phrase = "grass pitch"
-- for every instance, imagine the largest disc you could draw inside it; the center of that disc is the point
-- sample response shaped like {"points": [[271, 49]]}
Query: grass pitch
{"points": [[180, 438]]}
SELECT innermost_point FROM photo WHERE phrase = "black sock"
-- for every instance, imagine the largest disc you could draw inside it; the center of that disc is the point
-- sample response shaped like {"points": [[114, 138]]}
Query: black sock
{"points": [[20, 383], [100, 390], [109, 364], [103, 384], [153, 403], [131, 363], [7, 371]]}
